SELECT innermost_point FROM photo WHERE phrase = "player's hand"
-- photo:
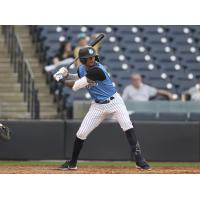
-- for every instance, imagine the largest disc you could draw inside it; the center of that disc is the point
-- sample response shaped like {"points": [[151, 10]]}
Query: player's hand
{"points": [[61, 73]]}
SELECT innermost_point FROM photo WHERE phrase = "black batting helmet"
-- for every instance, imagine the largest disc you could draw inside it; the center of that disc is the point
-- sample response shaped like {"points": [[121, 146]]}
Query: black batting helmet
{"points": [[87, 52]]}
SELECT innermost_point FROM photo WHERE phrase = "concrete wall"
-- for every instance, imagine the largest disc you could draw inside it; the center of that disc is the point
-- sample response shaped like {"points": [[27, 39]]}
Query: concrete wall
{"points": [[34, 140], [160, 141]]}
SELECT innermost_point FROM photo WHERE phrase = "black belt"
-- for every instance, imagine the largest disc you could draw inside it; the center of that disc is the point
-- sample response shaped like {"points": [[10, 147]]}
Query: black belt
{"points": [[105, 101]]}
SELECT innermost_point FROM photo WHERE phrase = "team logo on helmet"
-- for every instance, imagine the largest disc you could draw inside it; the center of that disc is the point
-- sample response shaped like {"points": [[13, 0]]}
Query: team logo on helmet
{"points": [[90, 51]]}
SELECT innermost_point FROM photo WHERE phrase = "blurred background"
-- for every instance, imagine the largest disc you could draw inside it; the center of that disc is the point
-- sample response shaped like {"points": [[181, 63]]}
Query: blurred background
{"points": [[156, 69], [166, 58]]}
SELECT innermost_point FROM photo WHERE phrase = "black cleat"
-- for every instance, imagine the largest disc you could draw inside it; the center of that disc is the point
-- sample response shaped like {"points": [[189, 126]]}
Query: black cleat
{"points": [[141, 163], [68, 165]]}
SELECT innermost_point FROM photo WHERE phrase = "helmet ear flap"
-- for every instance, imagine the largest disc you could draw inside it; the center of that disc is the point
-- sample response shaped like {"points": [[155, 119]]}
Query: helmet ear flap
{"points": [[83, 60]]}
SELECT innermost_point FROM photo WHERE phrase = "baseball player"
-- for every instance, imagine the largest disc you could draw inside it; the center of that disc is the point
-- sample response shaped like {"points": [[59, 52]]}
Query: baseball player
{"points": [[93, 75]]}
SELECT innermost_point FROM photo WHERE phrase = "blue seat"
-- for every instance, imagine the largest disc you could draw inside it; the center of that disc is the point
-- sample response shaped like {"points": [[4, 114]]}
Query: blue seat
{"points": [[189, 58], [164, 58], [158, 48], [155, 39], [143, 66], [183, 85], [160, 84], [151, 30], [152, 75], [124, 30], [108, 48], [176, 29], [130, 39], [172, 73], [193, 68], [80, 95], [125, 39], [131, 47], [122, 74], [167, 66], [137, 58]]}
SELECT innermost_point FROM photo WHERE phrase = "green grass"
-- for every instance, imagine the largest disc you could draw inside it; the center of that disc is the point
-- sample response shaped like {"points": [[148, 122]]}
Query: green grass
{"points": [[100, 163]]}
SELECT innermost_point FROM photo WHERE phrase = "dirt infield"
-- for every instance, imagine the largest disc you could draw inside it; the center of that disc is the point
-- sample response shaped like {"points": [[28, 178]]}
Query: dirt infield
{"points": [[96, 170]]}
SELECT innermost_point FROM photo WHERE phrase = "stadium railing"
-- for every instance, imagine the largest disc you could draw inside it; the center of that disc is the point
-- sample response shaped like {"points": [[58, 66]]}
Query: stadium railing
{"points": [[23, 70], [150, 108]]}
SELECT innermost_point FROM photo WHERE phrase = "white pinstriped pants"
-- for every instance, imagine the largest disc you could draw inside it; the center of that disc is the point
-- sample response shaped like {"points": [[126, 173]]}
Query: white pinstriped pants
{"points": [[98, 112]]}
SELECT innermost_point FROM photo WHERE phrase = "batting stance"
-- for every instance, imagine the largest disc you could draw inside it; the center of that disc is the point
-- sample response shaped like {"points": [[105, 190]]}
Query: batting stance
{"points": [[93, 75]]}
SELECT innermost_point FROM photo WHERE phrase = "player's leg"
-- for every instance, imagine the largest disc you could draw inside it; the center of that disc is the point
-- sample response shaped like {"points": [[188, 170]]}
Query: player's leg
{"points": [[92, 119], [122, 116]]}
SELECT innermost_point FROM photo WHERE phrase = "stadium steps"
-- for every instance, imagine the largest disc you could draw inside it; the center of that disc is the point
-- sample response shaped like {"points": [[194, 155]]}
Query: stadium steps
{"points": [[12, 105], [48, 109]]}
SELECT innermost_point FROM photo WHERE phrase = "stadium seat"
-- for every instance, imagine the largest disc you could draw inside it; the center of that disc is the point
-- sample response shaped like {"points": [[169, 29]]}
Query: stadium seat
{"points": [[166, 56]]}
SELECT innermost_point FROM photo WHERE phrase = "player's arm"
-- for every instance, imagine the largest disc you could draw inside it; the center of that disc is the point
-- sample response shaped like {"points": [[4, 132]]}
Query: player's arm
{"points": [[72, 77], [77, 84], [93, 75], [165, 93], [69, 83], [63, 73], [73, 81]]}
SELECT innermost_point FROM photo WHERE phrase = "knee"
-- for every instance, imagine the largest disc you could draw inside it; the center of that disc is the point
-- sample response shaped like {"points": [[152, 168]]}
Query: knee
{"points": [[129, 131], [82, 136], [127, 126]]}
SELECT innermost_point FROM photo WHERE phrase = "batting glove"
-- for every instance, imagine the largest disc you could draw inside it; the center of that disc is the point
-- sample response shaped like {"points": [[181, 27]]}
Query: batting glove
{"points": [[61, 73]]}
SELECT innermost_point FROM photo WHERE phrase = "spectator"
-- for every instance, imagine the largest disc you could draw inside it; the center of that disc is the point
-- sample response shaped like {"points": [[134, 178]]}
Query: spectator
{"points": [[192, 94], [63, 57], [82, 41], [65, 52], [138, 91]]}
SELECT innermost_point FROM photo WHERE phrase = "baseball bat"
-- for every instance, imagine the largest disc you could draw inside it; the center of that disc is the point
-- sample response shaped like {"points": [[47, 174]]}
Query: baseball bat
{"points": [[98, 39]]}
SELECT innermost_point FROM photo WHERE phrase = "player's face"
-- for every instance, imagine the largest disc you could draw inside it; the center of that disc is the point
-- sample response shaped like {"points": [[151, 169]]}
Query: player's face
{"points": [[90, 61]]}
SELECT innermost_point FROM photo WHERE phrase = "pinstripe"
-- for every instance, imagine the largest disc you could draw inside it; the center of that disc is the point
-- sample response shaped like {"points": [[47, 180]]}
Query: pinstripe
{"points": [[92, 119], [98, 112]]}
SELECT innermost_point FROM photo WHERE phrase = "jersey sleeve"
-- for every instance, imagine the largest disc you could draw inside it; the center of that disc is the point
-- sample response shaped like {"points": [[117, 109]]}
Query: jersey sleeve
{"points": [[78, 72], [96, 74]]}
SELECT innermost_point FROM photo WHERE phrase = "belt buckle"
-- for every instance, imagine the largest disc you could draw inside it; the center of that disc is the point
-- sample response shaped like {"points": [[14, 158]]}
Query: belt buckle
{"points": [[105, 101]]}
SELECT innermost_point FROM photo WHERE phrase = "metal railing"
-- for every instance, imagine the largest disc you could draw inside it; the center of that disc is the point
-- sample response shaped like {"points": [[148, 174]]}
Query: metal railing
{"points": [[22, 68]]}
